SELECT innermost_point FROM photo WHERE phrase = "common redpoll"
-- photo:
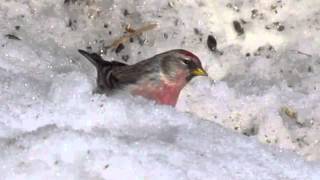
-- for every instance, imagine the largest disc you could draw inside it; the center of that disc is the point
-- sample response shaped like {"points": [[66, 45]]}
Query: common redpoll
{"points": [[160, 78]]}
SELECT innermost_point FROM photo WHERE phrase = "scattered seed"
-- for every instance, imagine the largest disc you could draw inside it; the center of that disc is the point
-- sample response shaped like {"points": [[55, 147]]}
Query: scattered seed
{"points": [[250, 132], [267, 27], [13, 37], [141, 41], [69, 24], [125, 58], [119, 48], [275, 25], [281, 28], [105, 25], [67, 2], [270, 48], [197, 31], [72, 24], [290, 112], [238, 28], [125, 12], [17, 28], [212, 43], [176, 22], [234, 7], [165, 36], [254, 13]]}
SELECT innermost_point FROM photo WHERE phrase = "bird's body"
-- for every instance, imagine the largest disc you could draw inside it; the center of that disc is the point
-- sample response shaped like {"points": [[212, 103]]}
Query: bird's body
{"points": [[160, 78]]}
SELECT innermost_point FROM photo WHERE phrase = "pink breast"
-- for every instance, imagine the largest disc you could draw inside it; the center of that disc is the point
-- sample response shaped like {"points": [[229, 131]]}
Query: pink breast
{"points": [[162, 94]]}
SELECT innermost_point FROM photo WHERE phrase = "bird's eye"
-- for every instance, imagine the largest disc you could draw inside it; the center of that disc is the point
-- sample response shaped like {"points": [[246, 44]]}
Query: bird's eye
{"points": [[186, 62]]}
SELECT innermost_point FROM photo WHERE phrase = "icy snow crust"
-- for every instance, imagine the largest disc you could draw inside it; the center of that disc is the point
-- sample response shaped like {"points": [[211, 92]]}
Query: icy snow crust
{"points": [[53, 127]]}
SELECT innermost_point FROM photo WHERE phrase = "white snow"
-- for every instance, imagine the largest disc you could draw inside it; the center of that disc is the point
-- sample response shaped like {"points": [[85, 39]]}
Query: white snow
{"points": [[53, 127]]}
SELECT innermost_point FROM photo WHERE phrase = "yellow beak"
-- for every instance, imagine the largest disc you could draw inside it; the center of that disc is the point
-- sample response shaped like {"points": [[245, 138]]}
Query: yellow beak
{"points": [[199, 72]]}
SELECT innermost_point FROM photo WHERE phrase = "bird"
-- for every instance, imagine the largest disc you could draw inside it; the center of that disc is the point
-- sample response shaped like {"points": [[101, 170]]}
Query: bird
{"points": [[159, 78]]}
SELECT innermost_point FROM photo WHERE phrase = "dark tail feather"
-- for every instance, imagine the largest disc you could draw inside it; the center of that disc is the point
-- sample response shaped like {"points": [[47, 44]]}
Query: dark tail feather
{"points": [[94, 58], [97, 60], [105, 78]]}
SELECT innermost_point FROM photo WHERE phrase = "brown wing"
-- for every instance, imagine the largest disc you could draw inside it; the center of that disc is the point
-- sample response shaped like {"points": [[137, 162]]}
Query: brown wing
{"points": [[146, 69], [114, 75]]}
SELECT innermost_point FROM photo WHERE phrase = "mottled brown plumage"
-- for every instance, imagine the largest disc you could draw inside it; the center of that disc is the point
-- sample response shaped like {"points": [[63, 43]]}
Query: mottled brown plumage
{"points": [[160, 77]]}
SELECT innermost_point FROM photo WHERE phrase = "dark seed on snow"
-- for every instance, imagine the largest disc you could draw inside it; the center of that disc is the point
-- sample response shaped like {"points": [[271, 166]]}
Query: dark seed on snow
{"points": [[197, 31], [254, 13], [67, 2], [69, 23], [125, 12], [165, 36], [125, 58], [141, 41], [238, 28], [119, 48], [11, 36], [281, 28], [212, 43], [267, 27]]}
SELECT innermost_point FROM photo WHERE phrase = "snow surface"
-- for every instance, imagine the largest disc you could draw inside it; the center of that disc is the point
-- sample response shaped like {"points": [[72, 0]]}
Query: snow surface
{"points": [[263, 85]]}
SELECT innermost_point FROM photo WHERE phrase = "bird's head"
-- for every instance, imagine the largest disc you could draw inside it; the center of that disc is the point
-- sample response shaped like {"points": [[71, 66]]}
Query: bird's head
{"points": [[180, 65]]}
